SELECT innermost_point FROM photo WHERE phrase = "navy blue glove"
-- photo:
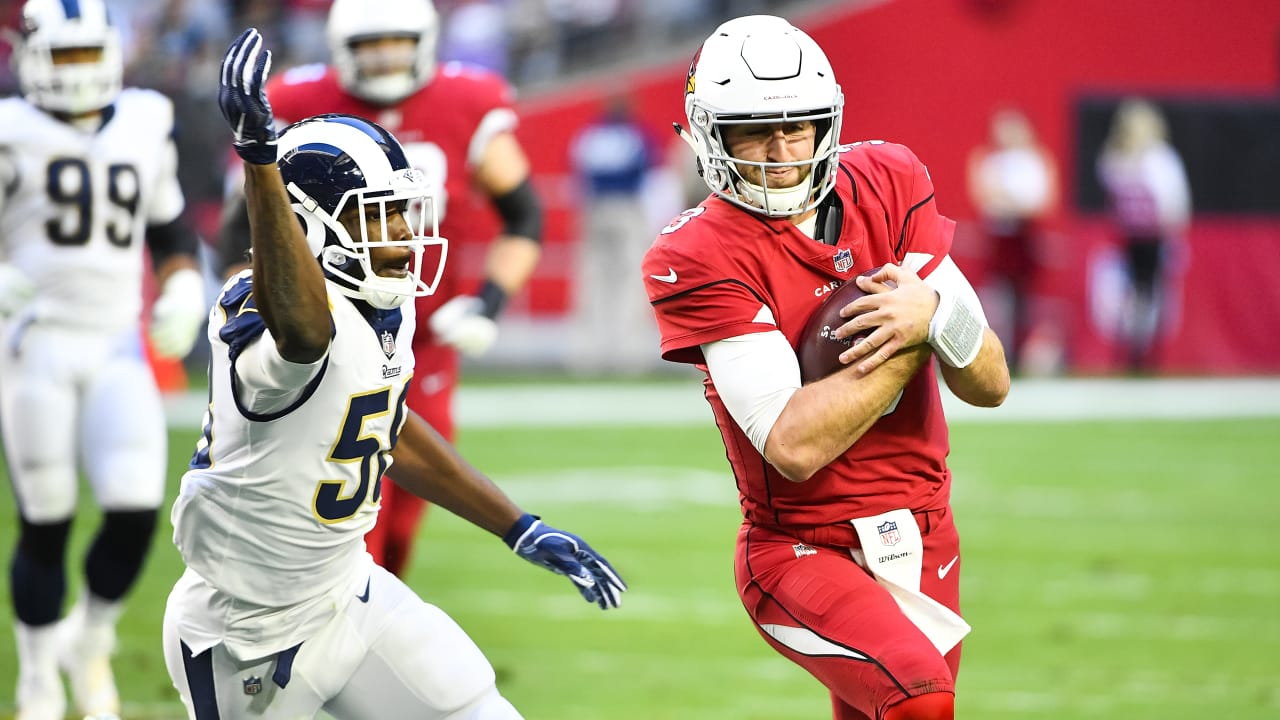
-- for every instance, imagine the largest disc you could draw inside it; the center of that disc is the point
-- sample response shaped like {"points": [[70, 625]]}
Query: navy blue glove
{"points": [[243, 101], [564, 553]]}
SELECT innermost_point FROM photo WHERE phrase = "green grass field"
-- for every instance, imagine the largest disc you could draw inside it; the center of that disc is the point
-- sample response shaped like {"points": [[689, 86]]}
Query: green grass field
{"points": [[1111, 570]]}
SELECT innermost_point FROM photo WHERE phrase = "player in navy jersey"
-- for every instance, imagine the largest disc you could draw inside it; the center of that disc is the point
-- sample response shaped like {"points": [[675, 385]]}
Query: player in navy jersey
{"points": [[847, 558]]}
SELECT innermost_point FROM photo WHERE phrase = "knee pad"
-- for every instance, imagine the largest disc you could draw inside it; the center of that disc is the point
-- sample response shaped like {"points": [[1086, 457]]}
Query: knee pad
{"points": [[930, 706], [36, 576], [118, 552]]}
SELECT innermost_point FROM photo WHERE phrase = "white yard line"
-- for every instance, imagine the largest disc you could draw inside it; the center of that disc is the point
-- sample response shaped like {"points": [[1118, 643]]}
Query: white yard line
{"points": [[679, 403]]}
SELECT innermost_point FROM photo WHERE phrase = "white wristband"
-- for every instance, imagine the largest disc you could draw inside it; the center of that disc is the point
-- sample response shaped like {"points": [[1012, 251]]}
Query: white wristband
{"points": [[956, 330]]}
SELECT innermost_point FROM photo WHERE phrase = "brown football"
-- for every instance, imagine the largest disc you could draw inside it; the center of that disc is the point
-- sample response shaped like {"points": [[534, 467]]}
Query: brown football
{"points": [[818, 349]]}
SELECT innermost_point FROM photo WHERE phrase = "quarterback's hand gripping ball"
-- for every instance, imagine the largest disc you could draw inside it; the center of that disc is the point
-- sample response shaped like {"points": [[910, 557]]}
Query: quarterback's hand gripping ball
{"points": [[819, 349]]}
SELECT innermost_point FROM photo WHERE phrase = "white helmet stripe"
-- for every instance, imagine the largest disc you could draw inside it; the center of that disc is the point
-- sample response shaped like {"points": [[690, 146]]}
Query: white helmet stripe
{"points": [[362, 148]]}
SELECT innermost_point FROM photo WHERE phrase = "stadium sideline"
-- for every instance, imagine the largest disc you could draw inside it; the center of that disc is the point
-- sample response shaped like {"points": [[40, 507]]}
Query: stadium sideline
{"points": [[565, 403]]}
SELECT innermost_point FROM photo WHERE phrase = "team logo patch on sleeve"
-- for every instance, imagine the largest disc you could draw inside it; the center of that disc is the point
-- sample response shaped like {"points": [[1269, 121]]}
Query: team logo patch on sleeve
{"points": [[388, 343], [889, 534], [843, 260]]}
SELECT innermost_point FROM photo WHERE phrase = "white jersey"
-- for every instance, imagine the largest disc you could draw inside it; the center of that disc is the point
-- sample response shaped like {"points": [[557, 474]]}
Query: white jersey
{"points": [[274, 508], [75, 204]]}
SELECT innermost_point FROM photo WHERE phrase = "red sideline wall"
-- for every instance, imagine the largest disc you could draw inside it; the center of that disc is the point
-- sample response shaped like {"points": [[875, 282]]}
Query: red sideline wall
{"points": [[927, 73]]}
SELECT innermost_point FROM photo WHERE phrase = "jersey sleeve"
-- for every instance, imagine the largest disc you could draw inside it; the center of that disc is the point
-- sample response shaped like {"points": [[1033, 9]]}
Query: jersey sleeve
{"points": [[925, 231], [488, 98], [265, 385], [167, 200], [906, 190], [696, 300]]}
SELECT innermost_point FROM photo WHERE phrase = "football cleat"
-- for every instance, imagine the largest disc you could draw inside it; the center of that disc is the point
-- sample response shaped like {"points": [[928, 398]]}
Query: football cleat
{"points": [[85, 656], [40, 696], [39, 692]]}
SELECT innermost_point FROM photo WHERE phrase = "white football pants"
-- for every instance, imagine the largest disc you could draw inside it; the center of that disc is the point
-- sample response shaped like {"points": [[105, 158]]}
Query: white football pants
{"points": [[68, 395], [390, 656]]}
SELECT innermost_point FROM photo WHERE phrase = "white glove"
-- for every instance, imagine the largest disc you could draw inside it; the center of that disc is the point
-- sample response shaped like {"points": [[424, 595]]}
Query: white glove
{"points": [[460, 323], [178, 314], [16, 289]]}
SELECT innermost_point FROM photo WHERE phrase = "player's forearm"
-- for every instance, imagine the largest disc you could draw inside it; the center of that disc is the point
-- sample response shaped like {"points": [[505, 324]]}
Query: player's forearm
{"points": [[511, 261], [429, 467], [172, 264], [825, 418], [288, 286], [985, 381]]}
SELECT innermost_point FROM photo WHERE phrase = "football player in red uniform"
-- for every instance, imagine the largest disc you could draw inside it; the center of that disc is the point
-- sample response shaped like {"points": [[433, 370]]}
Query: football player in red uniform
{"points": [[847, 560], [457, 125]]}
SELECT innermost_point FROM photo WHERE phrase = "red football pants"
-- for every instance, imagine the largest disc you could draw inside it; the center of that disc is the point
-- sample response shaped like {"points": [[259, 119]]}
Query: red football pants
{"points": [[431, 396], [815, 605]]}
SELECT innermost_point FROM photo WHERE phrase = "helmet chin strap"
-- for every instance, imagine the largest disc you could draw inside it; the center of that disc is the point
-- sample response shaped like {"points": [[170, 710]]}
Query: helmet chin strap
{"points": [[783, 201], [382, 293]]}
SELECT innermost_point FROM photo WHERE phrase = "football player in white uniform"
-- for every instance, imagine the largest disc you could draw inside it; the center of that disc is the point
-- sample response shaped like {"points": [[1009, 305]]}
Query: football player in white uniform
{"points": [[87, 177], [282, 612]]}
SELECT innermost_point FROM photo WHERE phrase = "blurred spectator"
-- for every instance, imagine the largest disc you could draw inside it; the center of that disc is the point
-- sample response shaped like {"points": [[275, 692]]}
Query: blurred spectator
{"points": [[475, 32], [305, 40], [1013, 184], [613, 327], [1150, 203]]}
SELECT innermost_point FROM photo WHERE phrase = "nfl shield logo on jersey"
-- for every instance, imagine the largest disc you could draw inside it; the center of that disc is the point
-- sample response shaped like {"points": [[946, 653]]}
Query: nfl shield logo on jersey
{"points": [[843, 260], [889, 534], [388, 343], [252, 685]]}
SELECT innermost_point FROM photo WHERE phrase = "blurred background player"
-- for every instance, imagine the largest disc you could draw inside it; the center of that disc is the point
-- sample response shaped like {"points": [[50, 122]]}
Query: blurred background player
{"points": [[457, 125], [89, 177], [613, 157], [847, 557], [281, 613], [1013, 183], [1150, 202]]}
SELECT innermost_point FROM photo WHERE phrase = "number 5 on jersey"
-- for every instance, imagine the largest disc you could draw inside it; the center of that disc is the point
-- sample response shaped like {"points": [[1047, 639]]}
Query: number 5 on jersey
{"points": [[333, 502]]}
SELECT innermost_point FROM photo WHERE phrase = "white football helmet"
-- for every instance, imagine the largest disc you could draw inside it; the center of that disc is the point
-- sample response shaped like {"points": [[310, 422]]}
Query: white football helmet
{"points": [[353, 20], [332, 162], [49, 25], [761, 69]]}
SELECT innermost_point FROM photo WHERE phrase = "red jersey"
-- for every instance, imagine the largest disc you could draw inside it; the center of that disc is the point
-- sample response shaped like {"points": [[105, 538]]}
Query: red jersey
{"points": [[719, 271], [443, 128]]}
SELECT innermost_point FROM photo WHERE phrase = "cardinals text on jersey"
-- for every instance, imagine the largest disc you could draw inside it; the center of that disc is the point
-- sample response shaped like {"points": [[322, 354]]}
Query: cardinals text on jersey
{"points": [[726, 271]]}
